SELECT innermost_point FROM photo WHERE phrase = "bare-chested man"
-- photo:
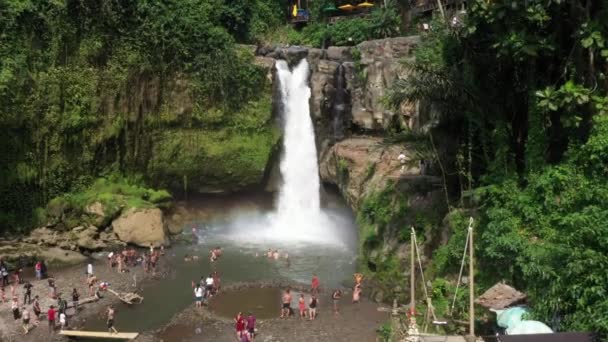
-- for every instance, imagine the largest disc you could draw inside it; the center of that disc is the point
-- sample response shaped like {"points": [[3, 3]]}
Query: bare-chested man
{"points": [[286, 300]]}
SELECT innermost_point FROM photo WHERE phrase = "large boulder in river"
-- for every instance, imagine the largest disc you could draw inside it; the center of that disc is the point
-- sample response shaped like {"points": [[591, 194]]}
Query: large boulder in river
{"points": [[101, 215], [88, 239], [141, 227]]}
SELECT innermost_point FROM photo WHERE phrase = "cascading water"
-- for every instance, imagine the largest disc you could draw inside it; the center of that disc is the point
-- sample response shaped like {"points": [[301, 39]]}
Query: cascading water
{"points": [[299, 218], [299, 193]]}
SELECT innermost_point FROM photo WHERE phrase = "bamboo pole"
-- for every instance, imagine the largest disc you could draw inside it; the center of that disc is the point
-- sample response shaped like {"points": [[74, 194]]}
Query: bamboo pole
{"points": [[471, 282], [441, 9], [412, 272]]}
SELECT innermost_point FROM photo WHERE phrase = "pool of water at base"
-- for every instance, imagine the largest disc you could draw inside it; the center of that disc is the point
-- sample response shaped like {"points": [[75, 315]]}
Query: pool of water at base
{"points": [[240, 262]]}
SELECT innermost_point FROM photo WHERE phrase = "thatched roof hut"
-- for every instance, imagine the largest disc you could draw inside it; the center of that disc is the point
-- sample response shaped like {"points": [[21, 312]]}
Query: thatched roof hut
{"points": [[500, 296]]}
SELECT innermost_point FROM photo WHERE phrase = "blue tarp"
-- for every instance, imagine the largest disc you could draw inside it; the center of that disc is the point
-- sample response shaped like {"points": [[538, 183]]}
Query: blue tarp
{"points": [[509, 317]]}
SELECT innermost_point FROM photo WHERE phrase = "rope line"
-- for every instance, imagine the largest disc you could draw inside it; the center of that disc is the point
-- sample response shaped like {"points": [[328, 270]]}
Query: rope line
{"points": [[464, 256]]}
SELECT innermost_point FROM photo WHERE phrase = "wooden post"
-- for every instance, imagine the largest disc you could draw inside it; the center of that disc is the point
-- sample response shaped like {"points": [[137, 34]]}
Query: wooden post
{"points": [[441, 9], [412, 272], [471, 282]]}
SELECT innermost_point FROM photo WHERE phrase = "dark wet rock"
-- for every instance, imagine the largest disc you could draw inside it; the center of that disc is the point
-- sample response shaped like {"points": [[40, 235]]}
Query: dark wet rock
{"points": [[339, 53]]}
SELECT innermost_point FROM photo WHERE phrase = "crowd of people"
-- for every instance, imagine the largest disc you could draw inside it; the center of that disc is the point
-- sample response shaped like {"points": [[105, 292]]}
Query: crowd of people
{"points": [[29, 311], [307, 305]]}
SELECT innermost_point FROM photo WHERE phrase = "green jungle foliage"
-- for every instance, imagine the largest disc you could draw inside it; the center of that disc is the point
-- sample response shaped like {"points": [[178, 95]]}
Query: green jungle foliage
{"points": [[525, 92], [87, 87], [380, 23], [114, 192]]}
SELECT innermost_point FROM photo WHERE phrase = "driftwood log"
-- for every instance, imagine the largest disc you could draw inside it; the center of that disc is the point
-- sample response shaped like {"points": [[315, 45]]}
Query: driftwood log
{"points": [[128, 297]]}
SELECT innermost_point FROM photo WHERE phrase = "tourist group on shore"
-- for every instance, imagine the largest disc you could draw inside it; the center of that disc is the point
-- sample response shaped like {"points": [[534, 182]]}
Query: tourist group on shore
{"points": [[30, 312]]}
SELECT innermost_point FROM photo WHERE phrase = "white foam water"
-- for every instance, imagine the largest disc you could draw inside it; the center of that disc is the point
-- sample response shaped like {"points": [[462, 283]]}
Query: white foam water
{"points": [[298, 218]]}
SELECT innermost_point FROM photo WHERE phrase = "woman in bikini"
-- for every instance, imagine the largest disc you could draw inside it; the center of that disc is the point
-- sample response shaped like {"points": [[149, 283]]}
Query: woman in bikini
{"points": [[302, 306]]}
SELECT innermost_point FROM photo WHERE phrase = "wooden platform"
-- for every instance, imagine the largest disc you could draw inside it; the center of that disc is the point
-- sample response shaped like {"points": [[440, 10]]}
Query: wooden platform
{"points": [[99, 334]]}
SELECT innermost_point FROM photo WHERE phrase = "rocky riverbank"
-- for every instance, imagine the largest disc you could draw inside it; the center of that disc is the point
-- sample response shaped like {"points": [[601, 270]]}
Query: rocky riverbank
{"points": [[67, 278]]}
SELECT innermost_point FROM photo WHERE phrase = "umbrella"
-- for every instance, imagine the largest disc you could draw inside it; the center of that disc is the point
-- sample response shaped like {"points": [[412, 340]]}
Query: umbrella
{"points": [[365, 5], [330, 8], [347, 7]]}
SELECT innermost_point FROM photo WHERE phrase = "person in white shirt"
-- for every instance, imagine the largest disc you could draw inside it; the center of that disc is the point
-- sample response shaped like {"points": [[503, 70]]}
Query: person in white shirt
{"points": [[90, 269], [198, 296], [402, 159], [209, 284], [63, 320]]}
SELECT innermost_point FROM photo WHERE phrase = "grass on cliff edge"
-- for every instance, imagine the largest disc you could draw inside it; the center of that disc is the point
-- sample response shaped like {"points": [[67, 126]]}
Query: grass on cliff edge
{"points": [[114, 192]]}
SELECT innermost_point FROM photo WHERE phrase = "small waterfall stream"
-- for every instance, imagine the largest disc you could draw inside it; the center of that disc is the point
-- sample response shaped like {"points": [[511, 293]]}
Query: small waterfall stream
{"points": [[340, 102]]}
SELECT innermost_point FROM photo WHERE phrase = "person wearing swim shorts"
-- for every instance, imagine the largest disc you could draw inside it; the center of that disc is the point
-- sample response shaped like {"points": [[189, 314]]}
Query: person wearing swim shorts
{"points": [[198, 296], [286, 300], [110, 312], [335, 296], [312, 307], [251, 325]]}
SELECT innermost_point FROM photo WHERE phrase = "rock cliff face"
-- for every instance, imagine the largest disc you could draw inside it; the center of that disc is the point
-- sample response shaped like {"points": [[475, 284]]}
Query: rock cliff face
{"points": [[348, 85]]}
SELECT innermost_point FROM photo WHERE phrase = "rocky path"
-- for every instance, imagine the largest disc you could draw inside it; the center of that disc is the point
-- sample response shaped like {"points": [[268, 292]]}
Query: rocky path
{"points": [[356, 322]]}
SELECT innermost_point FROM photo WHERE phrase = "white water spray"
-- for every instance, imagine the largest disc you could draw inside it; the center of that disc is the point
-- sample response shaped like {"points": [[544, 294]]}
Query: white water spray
{"points": [[299, 218], [299, 193]]}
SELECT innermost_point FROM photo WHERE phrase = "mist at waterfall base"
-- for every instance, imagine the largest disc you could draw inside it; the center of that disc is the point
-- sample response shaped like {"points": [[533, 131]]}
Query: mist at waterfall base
{"points": [[299, 217]]}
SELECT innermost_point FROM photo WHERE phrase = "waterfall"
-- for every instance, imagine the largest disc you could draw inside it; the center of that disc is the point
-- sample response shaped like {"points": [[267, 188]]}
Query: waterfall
{"points": [[298, 199], [298, 218], [340, 102]]}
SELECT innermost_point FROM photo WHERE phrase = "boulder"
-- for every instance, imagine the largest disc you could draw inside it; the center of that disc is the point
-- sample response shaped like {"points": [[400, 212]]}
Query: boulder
{"points": [[88, 239], [339, 53], [42, 236], [141, 227], [25, 254], [294, 54], [101, 215]]}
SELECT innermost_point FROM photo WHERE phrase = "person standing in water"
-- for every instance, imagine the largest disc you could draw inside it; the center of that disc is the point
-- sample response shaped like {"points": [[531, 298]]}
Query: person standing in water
{"points": [[302, 306], [198, 295], [239, 325], [335, 296], [110, 312], [286, 300], [357, 293], [312, 307], [314, 284], [251, 325]]}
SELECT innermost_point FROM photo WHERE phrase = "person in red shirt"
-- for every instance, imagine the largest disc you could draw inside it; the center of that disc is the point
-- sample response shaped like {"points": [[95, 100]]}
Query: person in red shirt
{"points": [[50, 315], [314, 285], [240, 324]]}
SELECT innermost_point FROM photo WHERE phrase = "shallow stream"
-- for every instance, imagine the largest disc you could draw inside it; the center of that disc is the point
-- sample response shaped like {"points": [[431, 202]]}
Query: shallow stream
{"points": [[233, 223]]}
